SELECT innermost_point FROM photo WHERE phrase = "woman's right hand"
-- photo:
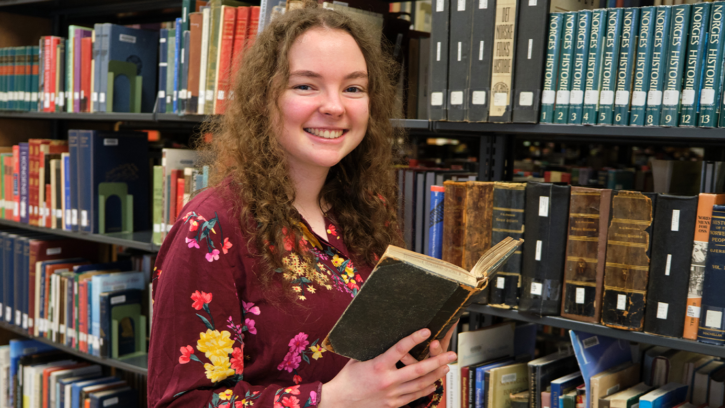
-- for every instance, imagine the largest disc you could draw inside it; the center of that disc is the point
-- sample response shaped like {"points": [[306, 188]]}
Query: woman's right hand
{"points": [[379, 383]]}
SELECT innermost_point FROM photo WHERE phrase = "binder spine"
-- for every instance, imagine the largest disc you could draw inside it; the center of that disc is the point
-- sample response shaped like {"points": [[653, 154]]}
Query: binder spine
{"points": [[439, 61]]}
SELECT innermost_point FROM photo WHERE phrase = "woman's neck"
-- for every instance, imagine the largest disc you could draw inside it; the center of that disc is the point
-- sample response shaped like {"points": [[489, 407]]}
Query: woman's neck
{"points": [[307, 184]]}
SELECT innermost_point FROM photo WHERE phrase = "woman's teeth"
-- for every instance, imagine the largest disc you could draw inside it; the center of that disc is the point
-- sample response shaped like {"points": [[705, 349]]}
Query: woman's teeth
{"points": [[327, 134]]}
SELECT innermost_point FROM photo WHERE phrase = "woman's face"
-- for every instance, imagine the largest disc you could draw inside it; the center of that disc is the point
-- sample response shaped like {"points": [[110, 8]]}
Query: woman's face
{"points": [[324, 108]]}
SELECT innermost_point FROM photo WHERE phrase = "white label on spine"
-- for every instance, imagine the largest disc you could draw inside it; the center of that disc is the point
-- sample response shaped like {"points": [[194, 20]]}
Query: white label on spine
{"points": [[127, 38], [606, 98], [182, 93], [84, 218], [548, 97], [508, 378], [590, 342], [576, 97], [536, 288], [612, 390], [500, 99], [53, 251], [438, 51], [436, 98], [8, 313], [483, 4], [671, 98], [102, 97], [713, 319], [526, 98], [621, 302], [707, 97], [18, 318], [580, 296], [220, 95], [654, 98], [688, 97], [480, 51], [168, 98], [543, 206], [621, 98], [75, 95], [110, 141], [478, 98], [209, 94], [531, 44], [162, 40], [461, 5], [110, 401], [74, 216], [539, 244], [25, 320], [118, 299], [562, 97], [532, 3], [459, 51], [675, 220], [662, 310], [668, 265], [201, 95], [500, 282], [693, 311], [591, 97], [439, 6], [457, 98], [162, 94]]}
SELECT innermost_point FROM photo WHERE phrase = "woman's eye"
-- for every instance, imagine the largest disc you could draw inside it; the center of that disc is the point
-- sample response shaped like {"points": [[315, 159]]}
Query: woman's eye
{"points": [[303, 87], [353, 89]]}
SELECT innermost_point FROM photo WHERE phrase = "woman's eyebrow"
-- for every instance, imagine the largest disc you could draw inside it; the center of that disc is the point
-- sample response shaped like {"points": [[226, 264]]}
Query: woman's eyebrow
{"points": [[312, 74]]}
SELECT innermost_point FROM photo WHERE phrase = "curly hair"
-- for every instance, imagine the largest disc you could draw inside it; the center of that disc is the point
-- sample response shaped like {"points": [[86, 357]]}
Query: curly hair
{"points": [[245, 152]]}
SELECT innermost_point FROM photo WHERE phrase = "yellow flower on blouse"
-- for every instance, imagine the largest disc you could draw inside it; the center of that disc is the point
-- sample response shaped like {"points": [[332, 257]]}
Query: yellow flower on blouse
{"points": [[219, 370], [317, 350], [337, 261], [226, 395], [350, 271], [213, 343]]}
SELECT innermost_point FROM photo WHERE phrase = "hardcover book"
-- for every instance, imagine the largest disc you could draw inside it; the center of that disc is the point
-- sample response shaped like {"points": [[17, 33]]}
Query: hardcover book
{"points": [[586, 251], [503, 61], [609, 65], [459, 59], [504, 381], [484, 22], [674, 226], [551, 69], [508, 220], [369, 327], [710, 92], [696, 46], [579, 70], [568, 42], [545, 369], [640, 79], [658, 63], [627, 48], [711, 314], [610, 381], [666, 396], [594, 67], [196, 23], [138, 47], [680, 25], [439, 61], [123, 307], [467, 221], [163, 70]]}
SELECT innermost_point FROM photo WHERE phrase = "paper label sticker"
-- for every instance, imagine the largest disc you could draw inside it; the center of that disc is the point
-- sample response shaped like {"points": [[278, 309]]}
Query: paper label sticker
{"points": [[500, 99], [671, 98], [662, 310], [543, 206], [118, 299], [548, 97], [532, 3], [621, 302], [526, 99], [53, 251], [18, 318], [127, 38], [693, 311], [84, 218], [536, 287], [25, 321], [562, 97], [606, 98], [675, 220], [539, 244], [8, 313], [483, 4], [439, 6], [480, 51], [457, 98], [102, 97], [688, 97], [590, 342], [500, 282], [713, 319], [531, 40], [508, 378], [707, 97], [668, 264], [654, 98], [461, 5], [110, 401], [110, 141], [612, 390], [576, 97], [74, 216], [438, 51], [478, 98], [622, 98], [436, 98], [591, 97], [209, 94], [580, 296]]}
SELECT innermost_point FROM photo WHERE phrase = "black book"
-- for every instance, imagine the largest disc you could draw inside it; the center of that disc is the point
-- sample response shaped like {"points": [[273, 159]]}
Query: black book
{"points": [[546, 220], [459, 55], [484, 22], [669, 273], [509, 201], [439, 61]]}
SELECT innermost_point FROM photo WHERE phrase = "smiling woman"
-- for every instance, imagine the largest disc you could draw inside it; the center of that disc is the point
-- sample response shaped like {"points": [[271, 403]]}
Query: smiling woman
{"points": [[260, 266]]}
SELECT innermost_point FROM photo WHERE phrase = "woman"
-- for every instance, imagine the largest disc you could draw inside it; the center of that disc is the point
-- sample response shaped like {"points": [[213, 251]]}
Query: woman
{"points": [[258, 268]]}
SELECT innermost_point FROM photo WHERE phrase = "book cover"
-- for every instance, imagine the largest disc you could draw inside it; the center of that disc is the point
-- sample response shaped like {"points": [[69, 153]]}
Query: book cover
{"points": [[579, 70], [660, 46], [586, 250], [607, 382], [594, 67], [664, 397], [459, 59], [224, 58], [674, 226], [628, 261], [545, 369], [547, 210], [107, 283], [484, 22], [627, 48], [710, 330], [712, 69], [124, 307], [696, 45], [197, 25], [504, 381], [609, 66], [551, 69], [163, 69], [680, 26], [563, 90], [138, 47], [509, 201], [563, 385], [503, 61], [640, 78], [439, 60]]}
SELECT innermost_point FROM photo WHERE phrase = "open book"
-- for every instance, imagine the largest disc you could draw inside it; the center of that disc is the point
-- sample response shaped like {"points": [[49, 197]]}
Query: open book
{"points": [[406, 292]]}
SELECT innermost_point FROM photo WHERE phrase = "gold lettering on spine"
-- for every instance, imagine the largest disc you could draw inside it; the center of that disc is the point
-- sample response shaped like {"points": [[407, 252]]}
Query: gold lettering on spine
{"points": [[503, 57], [593, 41], [626, 38], [641, 55], [551, 56]]}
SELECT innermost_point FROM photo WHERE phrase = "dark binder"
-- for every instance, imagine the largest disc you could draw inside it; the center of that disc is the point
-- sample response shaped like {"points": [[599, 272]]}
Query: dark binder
{"points": [[509, 200], [439, 61], [484, 23], [459, 55]]}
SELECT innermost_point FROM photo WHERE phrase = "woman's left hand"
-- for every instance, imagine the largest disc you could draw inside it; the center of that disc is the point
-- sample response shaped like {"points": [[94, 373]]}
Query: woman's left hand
{"points": [[436, 347]]}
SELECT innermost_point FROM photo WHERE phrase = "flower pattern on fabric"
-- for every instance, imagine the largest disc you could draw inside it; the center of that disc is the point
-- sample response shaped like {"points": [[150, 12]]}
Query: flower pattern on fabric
{"points": [[228, 399], [287, 398], [298, 351], [204, 229]]}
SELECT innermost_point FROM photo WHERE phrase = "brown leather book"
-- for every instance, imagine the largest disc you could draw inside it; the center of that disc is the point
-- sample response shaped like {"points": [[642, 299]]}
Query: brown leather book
{"points": [[586, 250], [467, 221], [453, 208], [196, 23]]}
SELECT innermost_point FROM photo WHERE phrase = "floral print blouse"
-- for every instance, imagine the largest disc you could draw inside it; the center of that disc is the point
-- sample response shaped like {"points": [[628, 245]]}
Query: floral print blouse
{"points": [[217, 340]]}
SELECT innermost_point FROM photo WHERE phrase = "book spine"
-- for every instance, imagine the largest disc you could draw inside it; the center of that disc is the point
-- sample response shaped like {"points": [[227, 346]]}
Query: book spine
{"points": [[551, 71], [659, 51], [710, 330], [158, 203], [484, 21], [436, 211], [579, 71], [70, 66], [34, 85], [196, 25], [211, 67], [712, 70], [439, 60], [675, 65], [163, 67], [85, 184], [628, 45], [204, 59], [177, 65], [184, 94], [594, 67], [71, 210], [16, 183], [105, 334], [503, 61], [563, 88], [86, 73], [97, 35], [453, 238], [76, 71], [640, 80], [532, 386], [459, 56], [692, 77], [23, 175], [508, 220], [609, 66], [102, 62], [226, 40], [240, 37], [477, 220], [170, 53]]}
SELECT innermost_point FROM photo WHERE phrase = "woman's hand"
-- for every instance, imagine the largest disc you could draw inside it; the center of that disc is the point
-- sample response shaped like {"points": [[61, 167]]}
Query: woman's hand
{"points": [[378, 383]]}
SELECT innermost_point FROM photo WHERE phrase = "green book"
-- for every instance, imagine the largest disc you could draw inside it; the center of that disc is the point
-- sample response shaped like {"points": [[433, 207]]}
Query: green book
{"points": [[170, 53], [3, 93], [568, 400], [609, 66], [187, 6], [657, 70], [640, 80], [692, 77], [581, 53], [627, 47], [568, 35], [712, 70], [158, 203], [35, 56], [594, 67], [553, 45], [680, 27]]}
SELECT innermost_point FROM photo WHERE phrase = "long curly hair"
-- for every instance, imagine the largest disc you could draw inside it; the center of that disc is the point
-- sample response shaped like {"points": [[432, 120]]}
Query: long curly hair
{"points": [[245, 152]]}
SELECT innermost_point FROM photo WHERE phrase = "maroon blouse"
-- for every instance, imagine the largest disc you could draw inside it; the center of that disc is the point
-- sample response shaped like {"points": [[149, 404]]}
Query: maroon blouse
{"points": [[217, 338]]}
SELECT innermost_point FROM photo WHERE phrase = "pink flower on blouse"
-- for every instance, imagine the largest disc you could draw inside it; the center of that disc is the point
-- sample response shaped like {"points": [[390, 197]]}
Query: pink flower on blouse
{"points": [[186, 353], [250, 308], [193, 226], [192, 243], [212, 256], [250, 326], [290, 363], [313, 397], [226, 246], [200, 299], [298, 343]]}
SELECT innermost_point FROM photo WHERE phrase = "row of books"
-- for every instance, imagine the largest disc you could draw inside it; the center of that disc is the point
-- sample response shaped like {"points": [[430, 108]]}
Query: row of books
{"points": [[35, 375], [649, 66]]}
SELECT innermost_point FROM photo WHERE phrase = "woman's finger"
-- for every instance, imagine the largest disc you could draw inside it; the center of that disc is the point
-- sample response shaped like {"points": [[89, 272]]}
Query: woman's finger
{"points": [[408, 359], [421, 383]]}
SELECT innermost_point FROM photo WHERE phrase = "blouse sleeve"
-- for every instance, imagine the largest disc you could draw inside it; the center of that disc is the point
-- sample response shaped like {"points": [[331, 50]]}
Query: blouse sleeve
{"points": [[196, 356]]}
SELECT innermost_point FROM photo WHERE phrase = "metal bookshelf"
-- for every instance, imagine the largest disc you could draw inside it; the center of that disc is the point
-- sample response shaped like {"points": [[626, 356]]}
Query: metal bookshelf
{"points": [[138, 365]]}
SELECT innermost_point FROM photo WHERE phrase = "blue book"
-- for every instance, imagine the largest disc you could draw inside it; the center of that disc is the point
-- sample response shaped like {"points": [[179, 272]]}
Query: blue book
{"points": [[177, 63], [130, 301], [24, 182], [77, 387], [163, 68], [480, 383], [437, 193], [19, 349], [564, 384], [122, 397], [60, 387], [20, 279], [71, 210], [68, 181], [137, 46], [126, 265], [108, 283], [84, 183], [666, 396], [598, 353], [8, 277]]}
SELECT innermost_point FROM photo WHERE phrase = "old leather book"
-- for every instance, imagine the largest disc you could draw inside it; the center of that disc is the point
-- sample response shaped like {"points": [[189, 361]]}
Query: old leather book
{"points": [[547, 210], [586, 251], [711, 329], [453, 227], [468, 212], [627, 267], [509, 200], [669, 273]]}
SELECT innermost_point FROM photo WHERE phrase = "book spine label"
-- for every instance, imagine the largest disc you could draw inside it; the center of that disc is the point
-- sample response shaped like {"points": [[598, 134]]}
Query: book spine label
{"points": [[627, 47], [711, 328], [640, 80], [675, 64], [484, 22], [563, 89], [609, 66], [594, 67], [553, 46], [656, 78], [459, 55], [581, 53], [693, 69], [712, 70], [508, 220], [503, 61], [439, 61]]}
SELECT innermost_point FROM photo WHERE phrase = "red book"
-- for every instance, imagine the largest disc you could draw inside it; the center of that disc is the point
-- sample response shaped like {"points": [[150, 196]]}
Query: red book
{"points": [[253, 26], [46, 377], [179, 196], [50, 84], [43, 317], [465, 371], [240, 37], [172, 195], [46, 206], [229, 17], [47, 43], [86, 58]]}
